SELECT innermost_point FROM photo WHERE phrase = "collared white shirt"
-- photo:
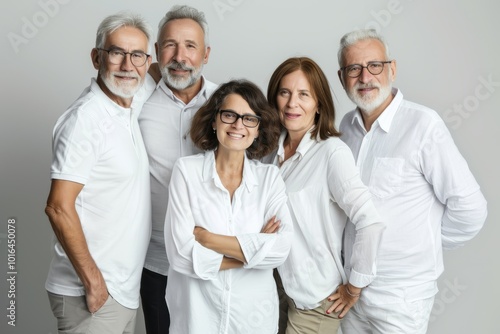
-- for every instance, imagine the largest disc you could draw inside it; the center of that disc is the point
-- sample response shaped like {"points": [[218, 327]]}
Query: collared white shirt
{"points": [[202, 299], [165, 121], [323, 185], [424, 190], [98, 144]]}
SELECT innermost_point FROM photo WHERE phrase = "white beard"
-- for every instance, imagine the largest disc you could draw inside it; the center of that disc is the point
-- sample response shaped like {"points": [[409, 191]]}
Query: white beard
{"points": [[123, 90], [366, 104], [177, 82]]}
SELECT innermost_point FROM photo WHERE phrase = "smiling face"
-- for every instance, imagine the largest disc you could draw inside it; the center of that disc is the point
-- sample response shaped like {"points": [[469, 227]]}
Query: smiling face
{"points": [[296, 103], [371, 93], [121, 81], [236, 136], [182, 53]]}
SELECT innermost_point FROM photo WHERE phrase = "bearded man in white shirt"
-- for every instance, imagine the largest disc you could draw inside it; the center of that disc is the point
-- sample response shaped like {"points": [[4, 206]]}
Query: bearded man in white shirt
{"points": [[182, 50], [99, 205], [421, 184]]}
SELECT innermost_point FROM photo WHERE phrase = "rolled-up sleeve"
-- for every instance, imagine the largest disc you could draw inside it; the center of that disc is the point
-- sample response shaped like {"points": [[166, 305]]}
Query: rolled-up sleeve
{"points": [[355, 199], [185, 254], [264, 251]]}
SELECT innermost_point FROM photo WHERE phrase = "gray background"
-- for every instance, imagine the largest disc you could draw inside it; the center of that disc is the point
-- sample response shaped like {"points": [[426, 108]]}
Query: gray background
{"points": [[446, 53]]}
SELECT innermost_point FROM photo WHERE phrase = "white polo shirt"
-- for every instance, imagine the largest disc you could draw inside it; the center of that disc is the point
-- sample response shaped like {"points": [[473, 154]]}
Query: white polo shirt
{"points": [[165, 122], [98, 144]]}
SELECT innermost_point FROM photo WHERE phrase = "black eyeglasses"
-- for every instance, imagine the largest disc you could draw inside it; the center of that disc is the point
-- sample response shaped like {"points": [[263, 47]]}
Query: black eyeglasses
{"points": [[116, 57], [374, 67], [230, 117]]}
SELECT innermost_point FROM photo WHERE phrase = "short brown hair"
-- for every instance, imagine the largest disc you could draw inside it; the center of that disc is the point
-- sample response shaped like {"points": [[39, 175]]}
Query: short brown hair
{"points": [[320, 89], [202, 132]]}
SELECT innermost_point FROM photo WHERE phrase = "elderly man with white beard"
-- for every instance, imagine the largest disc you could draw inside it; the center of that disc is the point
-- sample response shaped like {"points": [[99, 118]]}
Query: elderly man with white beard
{"points": [[182, 50], [99, 205], [421, 186]]}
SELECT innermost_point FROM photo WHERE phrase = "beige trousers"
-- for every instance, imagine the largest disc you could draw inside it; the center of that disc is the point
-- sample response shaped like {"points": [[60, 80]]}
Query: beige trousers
{"points": [[73, 317]]}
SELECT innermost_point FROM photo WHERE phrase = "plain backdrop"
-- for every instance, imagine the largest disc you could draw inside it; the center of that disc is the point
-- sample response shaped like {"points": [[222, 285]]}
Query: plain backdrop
{"points": [[447, 54]]}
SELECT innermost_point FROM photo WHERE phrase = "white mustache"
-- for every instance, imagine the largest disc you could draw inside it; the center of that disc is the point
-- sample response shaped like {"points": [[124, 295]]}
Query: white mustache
{"points": [[125, 74], [368, 85], [174, 65]]}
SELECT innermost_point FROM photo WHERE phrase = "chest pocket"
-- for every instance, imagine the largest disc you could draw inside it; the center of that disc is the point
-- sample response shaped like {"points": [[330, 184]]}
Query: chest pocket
{"points": [[387, 177]]}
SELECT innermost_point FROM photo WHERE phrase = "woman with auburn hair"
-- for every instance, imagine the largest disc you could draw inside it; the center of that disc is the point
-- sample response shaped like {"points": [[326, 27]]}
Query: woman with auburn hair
{"points": [[324, 190], [227, 224]]}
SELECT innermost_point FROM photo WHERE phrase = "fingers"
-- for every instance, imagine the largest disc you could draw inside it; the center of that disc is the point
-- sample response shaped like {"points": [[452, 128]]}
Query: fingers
{"points": [[94, 303], [271, 226], [342, 302], [344, 311]]}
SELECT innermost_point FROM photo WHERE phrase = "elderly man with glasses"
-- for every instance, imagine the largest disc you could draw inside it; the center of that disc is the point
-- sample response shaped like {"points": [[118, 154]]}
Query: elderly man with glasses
{"points": [[421, 185], [99, 201]]}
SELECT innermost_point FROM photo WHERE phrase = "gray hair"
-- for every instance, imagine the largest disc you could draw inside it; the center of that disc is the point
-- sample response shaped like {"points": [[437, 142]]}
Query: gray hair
{"points": [[359, 35], [178, 12], [119, 20]]}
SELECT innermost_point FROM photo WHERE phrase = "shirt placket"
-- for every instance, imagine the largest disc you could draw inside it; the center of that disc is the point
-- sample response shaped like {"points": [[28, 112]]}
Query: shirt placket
{"points": [[227, 274], [364, 150], [185, 123]]}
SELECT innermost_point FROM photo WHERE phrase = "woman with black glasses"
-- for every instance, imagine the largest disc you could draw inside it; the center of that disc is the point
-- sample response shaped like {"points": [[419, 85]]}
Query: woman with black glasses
{"points": [[227, 224]]}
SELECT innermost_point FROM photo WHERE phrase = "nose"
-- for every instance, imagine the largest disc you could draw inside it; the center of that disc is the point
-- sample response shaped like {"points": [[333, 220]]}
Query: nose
{"points": [[365, 75], [292, 100], [180, 53], [238, 124], [126, 64]]}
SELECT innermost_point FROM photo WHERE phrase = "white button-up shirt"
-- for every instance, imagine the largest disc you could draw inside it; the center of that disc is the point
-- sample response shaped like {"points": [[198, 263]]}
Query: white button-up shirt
{"points": [[323, 184], [424, 190], [202, 299], [165, 121]]}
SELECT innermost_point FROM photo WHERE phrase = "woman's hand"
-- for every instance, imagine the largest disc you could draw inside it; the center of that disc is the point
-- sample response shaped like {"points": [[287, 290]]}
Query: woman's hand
{"points": [[200, 234], [272, 226], [343, 299]]}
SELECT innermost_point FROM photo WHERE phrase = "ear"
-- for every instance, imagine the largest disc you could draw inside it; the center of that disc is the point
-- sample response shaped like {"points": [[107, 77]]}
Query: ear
{"points": [[156, 51], [96, 60], [339, 73], [207, 54], [149, 61], [393, 70]]}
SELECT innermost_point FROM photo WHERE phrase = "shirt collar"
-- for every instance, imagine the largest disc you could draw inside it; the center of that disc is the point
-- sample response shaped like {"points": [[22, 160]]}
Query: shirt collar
{"points": [[203, 91], [386, 117], [249, 179], [305, 144]]}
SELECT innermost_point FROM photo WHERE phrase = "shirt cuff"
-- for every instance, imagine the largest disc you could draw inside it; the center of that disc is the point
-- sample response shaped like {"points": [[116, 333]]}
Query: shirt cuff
{"points": [[206, 262], [255, 247], [360, 280]]}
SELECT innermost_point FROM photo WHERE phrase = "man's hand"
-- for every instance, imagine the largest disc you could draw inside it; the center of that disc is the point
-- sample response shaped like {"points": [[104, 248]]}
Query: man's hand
{"points": [[96, 294], [154, 71]]}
